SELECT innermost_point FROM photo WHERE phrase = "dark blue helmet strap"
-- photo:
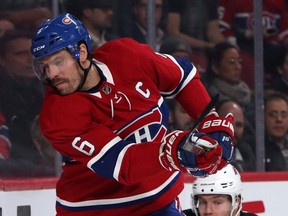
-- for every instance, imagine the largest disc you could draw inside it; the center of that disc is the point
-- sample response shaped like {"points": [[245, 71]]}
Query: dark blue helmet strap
{"points": [[86, 71]]}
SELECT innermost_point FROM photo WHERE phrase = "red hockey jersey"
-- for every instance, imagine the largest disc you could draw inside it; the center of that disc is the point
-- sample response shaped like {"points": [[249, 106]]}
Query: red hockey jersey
{"points": [[110, 136], [237, 16]]}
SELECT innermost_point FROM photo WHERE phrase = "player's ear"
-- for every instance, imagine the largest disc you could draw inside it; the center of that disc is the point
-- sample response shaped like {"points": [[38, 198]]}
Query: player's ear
{"points": [[83, 53]]}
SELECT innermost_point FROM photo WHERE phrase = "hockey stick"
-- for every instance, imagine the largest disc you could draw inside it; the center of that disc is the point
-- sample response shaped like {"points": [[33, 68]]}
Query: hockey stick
{"points": [[199, 149], [205, 112]]}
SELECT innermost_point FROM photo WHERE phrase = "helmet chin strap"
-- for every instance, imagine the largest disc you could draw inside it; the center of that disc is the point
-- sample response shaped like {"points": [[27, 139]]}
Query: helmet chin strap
{"points": [[237, 206], [86, 71]]}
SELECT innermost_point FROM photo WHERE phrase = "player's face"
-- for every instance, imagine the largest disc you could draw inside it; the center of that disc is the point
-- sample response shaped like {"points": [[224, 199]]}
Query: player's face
{"points": [[230, 66], [214, 205], [63, 71], [276, 118]]}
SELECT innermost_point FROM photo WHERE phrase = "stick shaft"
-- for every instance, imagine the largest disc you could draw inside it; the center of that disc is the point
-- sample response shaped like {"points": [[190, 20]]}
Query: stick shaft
{"points": [[205, 112]]}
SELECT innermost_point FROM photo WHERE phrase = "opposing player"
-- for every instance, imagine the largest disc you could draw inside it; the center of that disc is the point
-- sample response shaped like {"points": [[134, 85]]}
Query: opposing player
{"points": [[218, 194], [106, 115]]}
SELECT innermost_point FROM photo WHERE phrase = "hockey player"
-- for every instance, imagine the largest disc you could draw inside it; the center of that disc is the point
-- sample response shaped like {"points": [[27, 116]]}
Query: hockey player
{"points": [[218, 194], [106, 115]]}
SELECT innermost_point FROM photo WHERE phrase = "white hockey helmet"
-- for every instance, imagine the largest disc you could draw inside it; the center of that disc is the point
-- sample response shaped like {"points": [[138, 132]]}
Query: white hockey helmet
{"points": [[226, 181]]}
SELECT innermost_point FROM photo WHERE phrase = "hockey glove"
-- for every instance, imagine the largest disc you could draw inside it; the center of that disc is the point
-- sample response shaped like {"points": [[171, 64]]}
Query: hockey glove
{"points": [[220, 129], [194, 153]]}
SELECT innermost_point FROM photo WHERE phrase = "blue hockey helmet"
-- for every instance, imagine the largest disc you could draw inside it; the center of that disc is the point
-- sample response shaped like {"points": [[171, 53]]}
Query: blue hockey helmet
{"points": [[62, 32]]}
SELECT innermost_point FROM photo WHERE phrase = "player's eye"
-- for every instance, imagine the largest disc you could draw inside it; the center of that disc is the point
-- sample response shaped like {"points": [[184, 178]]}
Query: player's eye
{"points": [[58, 62]]}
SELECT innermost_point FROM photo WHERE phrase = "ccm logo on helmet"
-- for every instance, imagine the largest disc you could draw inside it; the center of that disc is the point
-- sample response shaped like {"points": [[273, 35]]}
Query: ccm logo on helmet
{"points": [[38, 48], [217, 123]]}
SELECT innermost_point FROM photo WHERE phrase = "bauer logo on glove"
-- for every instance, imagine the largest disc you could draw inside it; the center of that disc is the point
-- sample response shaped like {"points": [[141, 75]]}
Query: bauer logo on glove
{"points": [[213, 123], [220, 129], [218, 123]]}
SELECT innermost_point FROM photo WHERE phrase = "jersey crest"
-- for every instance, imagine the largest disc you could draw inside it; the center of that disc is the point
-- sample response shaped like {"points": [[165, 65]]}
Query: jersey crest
{"points": [[145, 128]]}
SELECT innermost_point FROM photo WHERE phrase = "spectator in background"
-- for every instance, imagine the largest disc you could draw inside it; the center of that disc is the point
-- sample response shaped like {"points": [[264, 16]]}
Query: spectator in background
{"points": [[179, 119], [14, 167], [237, 22], [276, 129], [280, 71], [25, 15], [178, 47], [195, 21], [5, 25], [244, 157], [96, 15], [218, 194], [223, 74], [44, 147], [237, 25], [21, 93], [139, 27]]}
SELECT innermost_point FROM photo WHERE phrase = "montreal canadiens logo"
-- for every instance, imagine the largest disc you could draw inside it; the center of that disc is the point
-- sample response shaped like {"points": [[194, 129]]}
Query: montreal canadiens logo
{"points": [[269, 20], [66, 20]]}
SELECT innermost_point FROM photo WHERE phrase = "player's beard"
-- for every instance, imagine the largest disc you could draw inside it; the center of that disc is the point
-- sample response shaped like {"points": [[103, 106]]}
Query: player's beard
{"points": [[64, 86]]}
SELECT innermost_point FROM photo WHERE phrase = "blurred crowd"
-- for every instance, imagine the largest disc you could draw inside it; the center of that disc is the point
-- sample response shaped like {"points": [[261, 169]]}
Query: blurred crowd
{"points": [[217, 36]]}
